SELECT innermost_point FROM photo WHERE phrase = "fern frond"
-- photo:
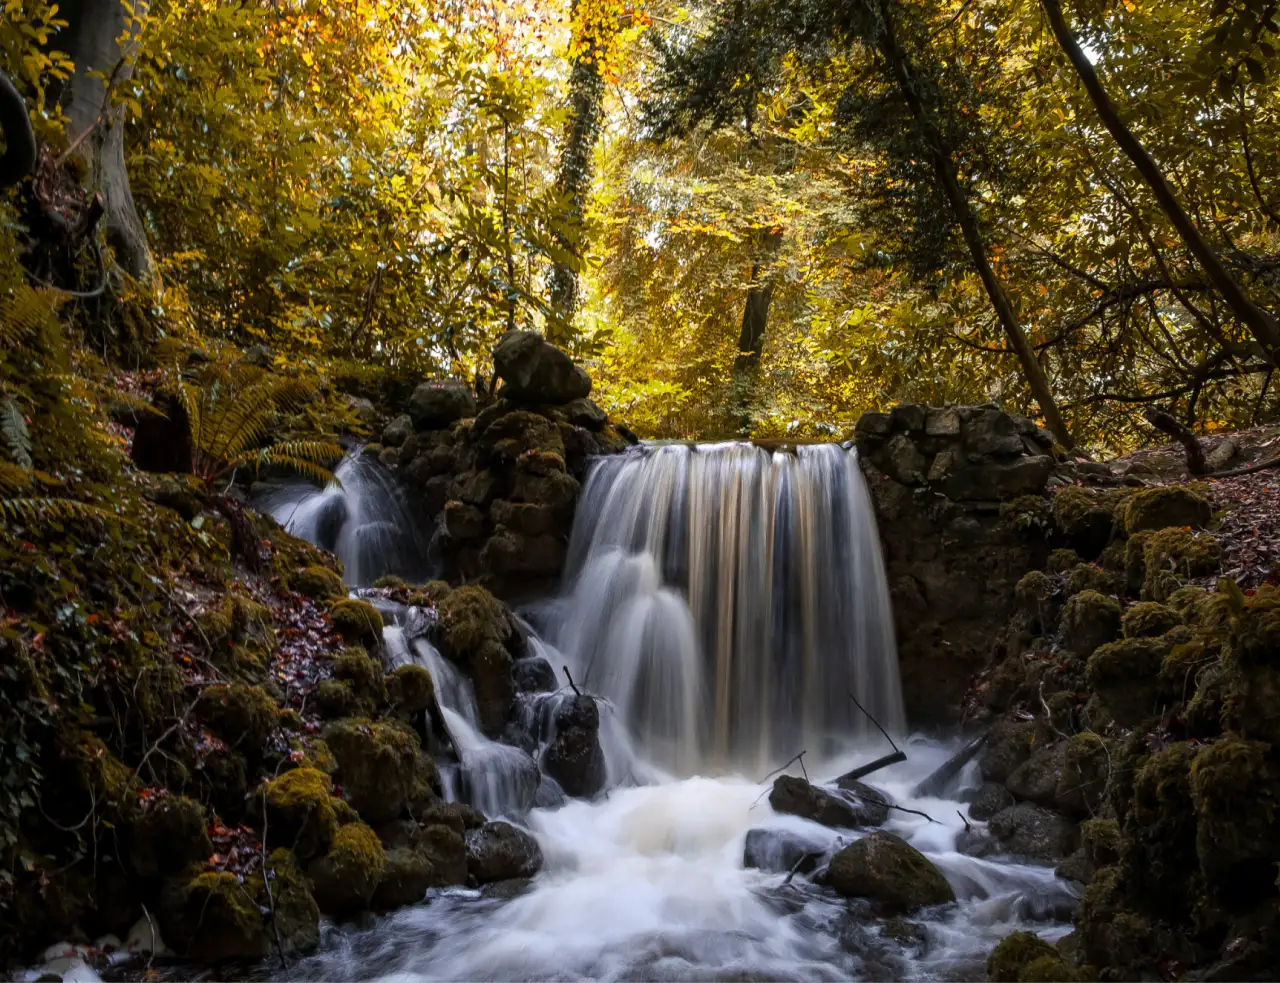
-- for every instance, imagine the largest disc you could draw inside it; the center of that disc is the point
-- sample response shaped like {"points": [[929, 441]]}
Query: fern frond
{"points": [[25, 311], [40, 510], [271, 456], [243, 421], [319, 451], [14, 427], [14, 479]]}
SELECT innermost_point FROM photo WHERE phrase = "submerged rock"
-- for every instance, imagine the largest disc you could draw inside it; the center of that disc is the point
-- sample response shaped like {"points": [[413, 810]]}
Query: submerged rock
{"points": [[499, 851], [838, 808], [1032, 831], [781, 850], [574, 757], [991, 798], [889, 871]]}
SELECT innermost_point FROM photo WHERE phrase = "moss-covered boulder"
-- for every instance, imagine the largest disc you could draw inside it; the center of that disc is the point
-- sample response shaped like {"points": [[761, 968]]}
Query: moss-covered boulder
{"points": [[1100, 839], [1172, 556], [1158, 851], [1028, 830], [1161, 508], [355, 666], [889, 871], [1089, 620], [419, 857], [319, 583], [476, 631], [1124, 675], [357, 621], [240, 714], [1235, 788], [381, 767], [213, 917], [1014, 953], [344, 880], [1033, 593], [1037, 778], [170, 834], [1062, 561], [1090, 576], [1085, 775], [335, 698], [411, 690], [1150, 620], [1132, 944], [1084, 516], [299, 812], [290, 904], [1009, 743], [406, 878]]}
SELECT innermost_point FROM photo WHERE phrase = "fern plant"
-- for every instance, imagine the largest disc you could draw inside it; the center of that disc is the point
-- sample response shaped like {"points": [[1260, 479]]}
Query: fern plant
{"points": [[229, 405]]}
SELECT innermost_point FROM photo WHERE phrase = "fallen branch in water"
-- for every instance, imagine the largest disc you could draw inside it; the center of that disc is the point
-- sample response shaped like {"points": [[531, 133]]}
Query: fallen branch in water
{"points": [[864, 770], [876, 722], [915, 812], [934, 785], [572, 685], [795, 869], [968, 826], [797, 758]]}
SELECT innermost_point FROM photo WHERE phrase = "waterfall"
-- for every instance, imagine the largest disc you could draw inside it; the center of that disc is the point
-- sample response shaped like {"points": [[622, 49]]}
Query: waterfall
{"points": [[361, 517], [730, 599]]}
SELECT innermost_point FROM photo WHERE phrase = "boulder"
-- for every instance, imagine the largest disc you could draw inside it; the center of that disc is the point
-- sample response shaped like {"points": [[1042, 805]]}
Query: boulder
{"points": [[434, 405], [1037, 778], [170, 834], [536, 371], [1124, 676], [873, 424], [574, 757], [357, 621], [499, 851], [586, 414], [395, 433], [1032, 831], [908, 416], [319, 583], [942, 422], [830, 807], [904, 462], [345, 879], [1160, 508], [998, 481], [992, 432], [1010, 959], [781, 851], [382, 767], [1008, 745], [299, 810], [534, 675], [1148, 619], [889, 871], [991, 798], [1089, 620]]}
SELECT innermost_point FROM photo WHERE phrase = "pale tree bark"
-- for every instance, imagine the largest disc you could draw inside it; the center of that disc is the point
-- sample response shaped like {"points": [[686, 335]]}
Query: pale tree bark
{"points": [[573, 182], [1264, 328], [95, 128], [944, 166]]}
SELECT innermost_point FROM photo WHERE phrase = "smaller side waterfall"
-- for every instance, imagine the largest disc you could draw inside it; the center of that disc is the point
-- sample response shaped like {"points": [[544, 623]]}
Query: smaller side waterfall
{"points": [[362, 518]]}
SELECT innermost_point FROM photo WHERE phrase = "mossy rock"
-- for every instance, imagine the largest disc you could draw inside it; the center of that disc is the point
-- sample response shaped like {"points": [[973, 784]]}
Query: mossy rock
{"points": [[1158, 847], [1033, 592], [357, 621], [381, 767], [319, 583], [312, 752], [336, 699], [1088, 576], [1131, 944], [1016, 951], [212, 917], [240, 714], [1113, 557], [1186, 602], [1135, 561], [238, 621], [1100, 839], [1161, 508], [390, 580], [292, 907], [1171, 556], [1236, 795], [1085, 517], [298, 811], [1149, 620], [1089, 620], [1086, 774], [1255, 631], [1062, 561], [1028, 514], [411, 690], [344, 811], [171, 834], [344, 879], [478, 633], [886, 869], [1124, 674], [355, 666], [406, 878]]}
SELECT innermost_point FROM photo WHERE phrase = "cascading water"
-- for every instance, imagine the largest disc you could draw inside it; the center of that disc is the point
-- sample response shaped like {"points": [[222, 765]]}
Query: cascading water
{"points": [[730, 599], [361, 517], [723, 602]]}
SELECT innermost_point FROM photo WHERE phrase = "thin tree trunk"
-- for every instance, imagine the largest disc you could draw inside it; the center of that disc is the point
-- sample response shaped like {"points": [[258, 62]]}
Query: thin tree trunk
{"points": [[944, 166], [19, 158], [95, 131], [586, 109], [1264, 328], [755, 319]]}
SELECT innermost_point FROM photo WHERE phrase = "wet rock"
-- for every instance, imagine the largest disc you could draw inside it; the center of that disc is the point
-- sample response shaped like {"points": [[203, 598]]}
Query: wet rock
{"points": [[406, 878], [534, 675], [574, 757], [991, 798], [536, 371], [345, 879], [499, 851], [381, 767], [830, 807], [437, 404], [586, 414], [1032, 831], [476, 631], [889, 871], [1090, 619], [781, 850], [1160, 508], [395, 433], [1007, 747], [976, 841], [1037, 778]]}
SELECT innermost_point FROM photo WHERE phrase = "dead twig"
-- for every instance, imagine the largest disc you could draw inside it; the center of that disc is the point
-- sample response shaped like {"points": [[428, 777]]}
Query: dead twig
{"points": [[572, 685], [915, 812]]}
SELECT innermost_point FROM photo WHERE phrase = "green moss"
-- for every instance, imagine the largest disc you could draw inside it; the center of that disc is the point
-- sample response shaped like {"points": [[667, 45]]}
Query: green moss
{"points": [[293, 909], [240, 714], [356, 621], [1051, 969], [298, 811], [1088, 576], [1173, 555], [1084, 513], [469, 617], [1255, 631], [411, 690], [345, 812], [1086, 773], [238, 621], [390, 580], [346, 878], [1027, 513], [1032, 591], [1114, 556], [1124, 675], [1161, 508], [170, 834], [1237, 808], [1089, 619], [364, 673], [381, 767], [1186, 602], [213, 917], [336, 699], [1016, 951], [1149, 620], [1135, 561], [431, 594], [1159, 831], [1062, 561], [1101, 841], [312, 753], [320, 583]]}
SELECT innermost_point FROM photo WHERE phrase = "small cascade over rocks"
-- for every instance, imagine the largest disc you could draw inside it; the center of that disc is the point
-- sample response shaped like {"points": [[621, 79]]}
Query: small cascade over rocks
{"points": [[362, 517], [729, 600]]}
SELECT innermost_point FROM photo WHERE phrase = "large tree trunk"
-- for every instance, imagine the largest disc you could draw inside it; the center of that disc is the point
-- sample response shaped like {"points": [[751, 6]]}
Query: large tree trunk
{"points": [[944, 166], [101, 67], [755, 319], [586, 108], [1264, 327]]}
